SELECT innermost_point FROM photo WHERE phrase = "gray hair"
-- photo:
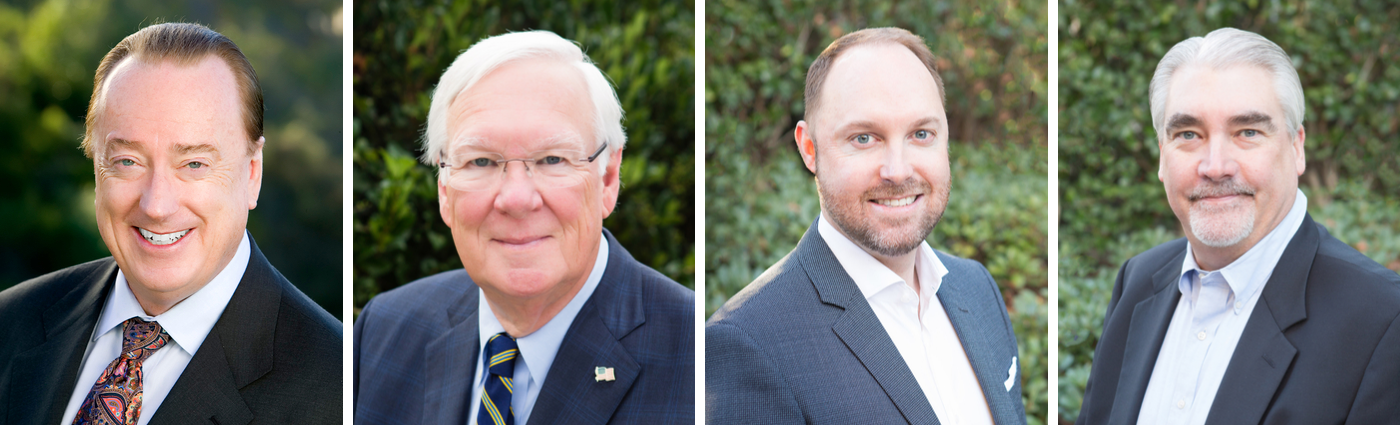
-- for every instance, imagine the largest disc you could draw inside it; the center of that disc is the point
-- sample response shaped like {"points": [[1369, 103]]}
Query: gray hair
{"points": [[492, 53], [1223, 48]]}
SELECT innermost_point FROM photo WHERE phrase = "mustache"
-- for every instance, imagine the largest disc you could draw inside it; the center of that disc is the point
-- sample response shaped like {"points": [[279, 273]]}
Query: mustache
{"points": [[1222, 188], [888, 189]]}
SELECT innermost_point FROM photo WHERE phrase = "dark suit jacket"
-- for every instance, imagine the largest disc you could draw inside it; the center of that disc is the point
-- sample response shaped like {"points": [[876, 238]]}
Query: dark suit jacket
{"points": [[273, 357], [801, 345], [1321, 347], [416, 352]]}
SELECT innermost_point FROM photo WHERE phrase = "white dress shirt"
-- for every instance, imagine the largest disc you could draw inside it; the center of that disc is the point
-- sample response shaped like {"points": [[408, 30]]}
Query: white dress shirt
{"points": [[537, 349], [188, 323], [1207, 324], [919, 327]]}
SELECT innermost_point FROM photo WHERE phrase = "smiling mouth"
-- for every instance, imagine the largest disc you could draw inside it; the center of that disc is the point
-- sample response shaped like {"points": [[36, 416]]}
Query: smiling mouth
{"points": [[160, 239], [897, 202]]}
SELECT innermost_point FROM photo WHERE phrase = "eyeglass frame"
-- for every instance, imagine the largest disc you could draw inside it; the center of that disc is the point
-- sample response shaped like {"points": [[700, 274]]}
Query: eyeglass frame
{"points": [[527, 162]]}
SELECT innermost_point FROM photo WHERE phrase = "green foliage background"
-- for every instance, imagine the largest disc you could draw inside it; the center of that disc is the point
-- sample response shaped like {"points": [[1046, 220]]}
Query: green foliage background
{"points": [[760, 198], [49, 50], [1113, 207], [401, 49]]}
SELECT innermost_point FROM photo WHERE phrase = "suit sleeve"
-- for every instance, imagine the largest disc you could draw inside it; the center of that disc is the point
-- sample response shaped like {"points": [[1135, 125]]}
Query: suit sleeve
{"points": [[741, 384], [355, 365], [1378, 399], [1087, 414]]}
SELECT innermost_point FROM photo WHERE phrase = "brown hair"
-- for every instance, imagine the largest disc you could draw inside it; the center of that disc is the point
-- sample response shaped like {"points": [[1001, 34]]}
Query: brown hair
{"points": [[185, 45], [816, 75]]}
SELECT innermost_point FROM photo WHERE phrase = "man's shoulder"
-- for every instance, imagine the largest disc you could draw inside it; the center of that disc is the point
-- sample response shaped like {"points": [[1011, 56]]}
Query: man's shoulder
{"points": [[428, 304], [35, 295], [1351, 274], [659, 290], [778, 293]]}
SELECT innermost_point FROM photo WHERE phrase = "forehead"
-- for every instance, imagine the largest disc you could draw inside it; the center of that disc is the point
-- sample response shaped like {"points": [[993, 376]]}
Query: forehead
{"points": [[162, 102], [875, 82], [1210, 93], [523, 104]]}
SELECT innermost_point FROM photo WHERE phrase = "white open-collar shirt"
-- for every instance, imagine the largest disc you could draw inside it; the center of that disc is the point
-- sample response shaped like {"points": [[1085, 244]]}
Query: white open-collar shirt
{"points": [[188, 323], [1200, 340], [537, 350], [918, 325]]}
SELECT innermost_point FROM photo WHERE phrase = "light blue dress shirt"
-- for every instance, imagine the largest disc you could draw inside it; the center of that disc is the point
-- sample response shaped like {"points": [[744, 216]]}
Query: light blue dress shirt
{"points": [[537, 350], [1207, 324]]}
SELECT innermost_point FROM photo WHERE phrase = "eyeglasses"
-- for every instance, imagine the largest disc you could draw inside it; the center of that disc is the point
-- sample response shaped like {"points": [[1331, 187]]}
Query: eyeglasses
{"points": [[471, 170]]}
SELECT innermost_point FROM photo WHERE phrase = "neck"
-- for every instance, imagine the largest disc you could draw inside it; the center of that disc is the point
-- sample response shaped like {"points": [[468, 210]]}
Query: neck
{"points": [[157, 303], [902, 265]]}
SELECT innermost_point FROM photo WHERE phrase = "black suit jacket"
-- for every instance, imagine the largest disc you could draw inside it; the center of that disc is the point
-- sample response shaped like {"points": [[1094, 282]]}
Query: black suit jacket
{"points": [[416, 352], [1321, 347], [273, 357]]}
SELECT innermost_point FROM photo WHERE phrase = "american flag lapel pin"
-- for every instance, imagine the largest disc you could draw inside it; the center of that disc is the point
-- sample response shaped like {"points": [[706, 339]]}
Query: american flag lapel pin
{"points": [[602, 373]]}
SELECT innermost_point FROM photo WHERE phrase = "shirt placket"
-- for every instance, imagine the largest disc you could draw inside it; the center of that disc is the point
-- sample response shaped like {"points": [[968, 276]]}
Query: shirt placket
{"points": [[1211, 300]]}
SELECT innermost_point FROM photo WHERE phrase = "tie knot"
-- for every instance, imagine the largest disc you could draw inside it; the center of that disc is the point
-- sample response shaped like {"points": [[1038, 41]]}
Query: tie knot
{"points": [[500, 354], [140, 339]]}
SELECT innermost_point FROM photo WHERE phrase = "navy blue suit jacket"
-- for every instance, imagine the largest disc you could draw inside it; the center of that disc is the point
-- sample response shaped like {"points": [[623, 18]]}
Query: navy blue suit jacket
{"points": [[273, 357], [416, 352], [801, 345], [1322, 345]]}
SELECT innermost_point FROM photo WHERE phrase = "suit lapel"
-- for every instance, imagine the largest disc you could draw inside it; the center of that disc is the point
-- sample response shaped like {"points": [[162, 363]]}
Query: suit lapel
{"points": [[50, 371], [1264, 355], [976, 324], [1148, 328], [451, 362], [238, 351], [570, 393], [861, 331]]}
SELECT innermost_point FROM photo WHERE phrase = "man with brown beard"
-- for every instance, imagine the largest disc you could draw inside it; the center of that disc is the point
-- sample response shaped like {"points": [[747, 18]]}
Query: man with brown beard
{"points": [[864, 322]]}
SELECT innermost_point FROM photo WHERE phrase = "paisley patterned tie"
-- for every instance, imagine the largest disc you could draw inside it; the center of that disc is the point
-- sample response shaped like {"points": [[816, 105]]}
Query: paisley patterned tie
{"points": [[116, 397], [495, 396]]}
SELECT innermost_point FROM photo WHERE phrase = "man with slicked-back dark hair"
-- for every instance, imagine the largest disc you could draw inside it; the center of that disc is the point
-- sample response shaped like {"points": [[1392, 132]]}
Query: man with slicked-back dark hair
{"points": [[187, 322]]}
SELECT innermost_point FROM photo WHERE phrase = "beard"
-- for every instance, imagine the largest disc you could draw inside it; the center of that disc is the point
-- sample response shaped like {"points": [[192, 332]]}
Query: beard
{"points": [[887, 237], [1219, 226]]}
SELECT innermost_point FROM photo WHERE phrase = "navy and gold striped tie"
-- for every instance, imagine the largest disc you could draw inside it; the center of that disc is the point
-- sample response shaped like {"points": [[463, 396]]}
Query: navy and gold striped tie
{"points": [[495, 396]]}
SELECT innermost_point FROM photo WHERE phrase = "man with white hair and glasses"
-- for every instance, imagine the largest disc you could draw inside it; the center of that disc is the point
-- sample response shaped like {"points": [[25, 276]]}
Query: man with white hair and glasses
{"points": [[1258, 315], [550, 320]]}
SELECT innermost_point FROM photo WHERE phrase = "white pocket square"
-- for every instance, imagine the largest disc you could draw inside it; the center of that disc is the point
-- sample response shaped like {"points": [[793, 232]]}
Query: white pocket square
{"points": [[1011, 374]]}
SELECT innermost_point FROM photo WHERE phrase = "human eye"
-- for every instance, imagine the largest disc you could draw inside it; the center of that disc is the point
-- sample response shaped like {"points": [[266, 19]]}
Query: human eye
{"points": [[1188, 135], [1249, 133], [923, 134], [863, 139], [126, 162], [195, 165]]}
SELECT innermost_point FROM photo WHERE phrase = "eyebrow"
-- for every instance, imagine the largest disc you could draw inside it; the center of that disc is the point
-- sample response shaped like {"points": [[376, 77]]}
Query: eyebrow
{"points": [[869, 125], [1179, 121], [551, 142], [1252, 118]]}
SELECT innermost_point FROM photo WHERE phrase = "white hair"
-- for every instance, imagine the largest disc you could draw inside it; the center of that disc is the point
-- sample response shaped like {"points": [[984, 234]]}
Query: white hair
{"points": [[492, 53], [1223, 48]]}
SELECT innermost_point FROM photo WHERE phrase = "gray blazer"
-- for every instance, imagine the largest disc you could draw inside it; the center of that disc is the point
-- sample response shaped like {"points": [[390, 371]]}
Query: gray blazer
{"points": [[801, 345]]}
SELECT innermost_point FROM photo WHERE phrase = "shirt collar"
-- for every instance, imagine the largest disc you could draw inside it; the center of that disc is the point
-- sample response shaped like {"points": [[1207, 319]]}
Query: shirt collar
{"points": [[538, 349], [1248, 274], [872, 276], [190, 320]]}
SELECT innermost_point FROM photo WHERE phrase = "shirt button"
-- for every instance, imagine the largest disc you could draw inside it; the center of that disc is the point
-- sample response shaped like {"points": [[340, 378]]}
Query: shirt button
{"points": [[1181, 404], [1201, 336], [1238, 306]]}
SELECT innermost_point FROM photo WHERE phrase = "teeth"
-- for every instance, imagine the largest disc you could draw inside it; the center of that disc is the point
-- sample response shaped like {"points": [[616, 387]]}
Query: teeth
{"points": [[159, 239], [897, 202]]}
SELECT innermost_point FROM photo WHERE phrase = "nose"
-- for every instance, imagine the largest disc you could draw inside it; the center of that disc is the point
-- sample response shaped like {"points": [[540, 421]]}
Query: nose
{"points": [[894, 166], [518, 195], [1219, 161], [160, 199]]}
